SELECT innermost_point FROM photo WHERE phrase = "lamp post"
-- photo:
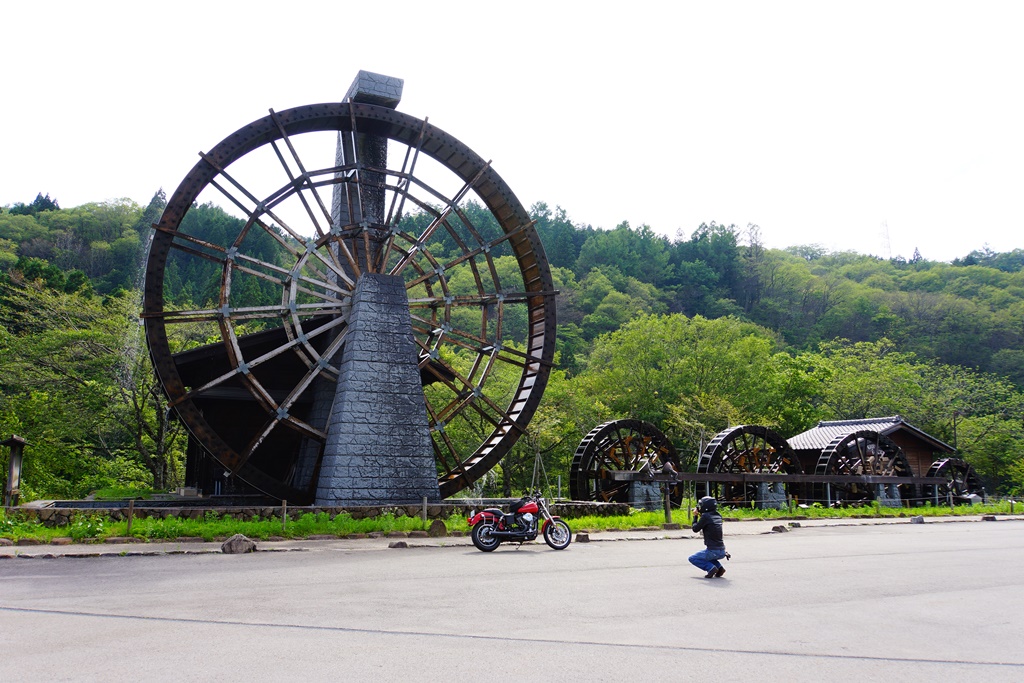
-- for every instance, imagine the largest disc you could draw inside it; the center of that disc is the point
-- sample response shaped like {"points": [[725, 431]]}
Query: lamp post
{"points": [[12, 487]]}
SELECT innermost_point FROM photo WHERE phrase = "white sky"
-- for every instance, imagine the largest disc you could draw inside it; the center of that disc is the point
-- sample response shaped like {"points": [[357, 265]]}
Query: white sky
{"points": [[822, 122]]}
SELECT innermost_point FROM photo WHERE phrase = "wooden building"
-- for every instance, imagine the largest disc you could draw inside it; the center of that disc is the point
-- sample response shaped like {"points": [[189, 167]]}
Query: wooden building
{"points": [[920, 448]]}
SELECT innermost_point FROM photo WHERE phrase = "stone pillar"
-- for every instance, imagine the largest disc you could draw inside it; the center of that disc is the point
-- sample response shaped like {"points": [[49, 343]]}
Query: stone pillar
{"points": [[888, 495], [360, 207], [771, 495], [644, 495], [379, 450], [384, 91]]}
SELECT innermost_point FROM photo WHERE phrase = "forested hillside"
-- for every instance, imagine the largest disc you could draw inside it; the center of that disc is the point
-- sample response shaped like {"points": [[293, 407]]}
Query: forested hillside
{"points": [[693, 333], [969, 312]]}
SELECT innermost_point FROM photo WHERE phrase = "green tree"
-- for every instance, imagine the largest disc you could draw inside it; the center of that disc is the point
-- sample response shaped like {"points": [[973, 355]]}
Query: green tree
{"points": [[638, 253], [686, 374], [864, 379], [561, 239], [79, 384], [39, 204], [978, 413]]}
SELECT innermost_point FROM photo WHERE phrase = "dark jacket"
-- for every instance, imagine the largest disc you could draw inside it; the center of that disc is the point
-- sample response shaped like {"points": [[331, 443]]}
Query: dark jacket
{"points": [[710, 524]]}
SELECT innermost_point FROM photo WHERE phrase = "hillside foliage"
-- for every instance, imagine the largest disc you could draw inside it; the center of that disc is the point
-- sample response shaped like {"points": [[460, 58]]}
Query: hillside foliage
{"points": [[693, 333]]}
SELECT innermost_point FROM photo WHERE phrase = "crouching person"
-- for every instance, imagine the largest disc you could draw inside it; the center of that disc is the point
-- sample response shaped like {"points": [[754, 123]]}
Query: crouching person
{"points": [[707, 521]]}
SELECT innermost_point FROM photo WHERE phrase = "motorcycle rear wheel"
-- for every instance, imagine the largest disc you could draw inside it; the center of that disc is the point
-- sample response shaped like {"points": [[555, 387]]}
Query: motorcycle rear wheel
{"points": [[482, 537], [557, 534]]}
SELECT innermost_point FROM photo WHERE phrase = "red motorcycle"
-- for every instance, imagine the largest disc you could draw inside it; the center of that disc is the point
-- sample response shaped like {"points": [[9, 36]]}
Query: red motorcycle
{"points": [[492, 527]]}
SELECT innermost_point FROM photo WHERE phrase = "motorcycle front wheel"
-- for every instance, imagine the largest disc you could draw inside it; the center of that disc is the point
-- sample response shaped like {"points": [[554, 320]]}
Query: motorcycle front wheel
{"points": [[482, 537], [557, 534]]}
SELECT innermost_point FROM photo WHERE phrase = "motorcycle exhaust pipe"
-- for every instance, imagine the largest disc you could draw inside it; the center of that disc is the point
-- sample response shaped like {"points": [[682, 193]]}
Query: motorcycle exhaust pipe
{"points": [[510, 534]]}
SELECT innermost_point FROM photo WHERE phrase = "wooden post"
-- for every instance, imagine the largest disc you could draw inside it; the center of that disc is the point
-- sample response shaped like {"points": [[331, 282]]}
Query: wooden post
{"points": [[12, 487], [424, 510], [284, 514], [668, 503], [131, 514], [691, 496]]}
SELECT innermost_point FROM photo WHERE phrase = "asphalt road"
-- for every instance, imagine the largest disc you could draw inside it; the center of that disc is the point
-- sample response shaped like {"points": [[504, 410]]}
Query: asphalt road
{"points": [[915, 602]]}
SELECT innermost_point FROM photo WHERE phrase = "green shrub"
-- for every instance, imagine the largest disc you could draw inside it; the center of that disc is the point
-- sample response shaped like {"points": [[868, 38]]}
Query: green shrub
{"points": [[88, 525]]}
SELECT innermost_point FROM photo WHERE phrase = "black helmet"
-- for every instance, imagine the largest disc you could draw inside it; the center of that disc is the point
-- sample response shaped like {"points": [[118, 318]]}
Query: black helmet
{"points": [[707, 504]]}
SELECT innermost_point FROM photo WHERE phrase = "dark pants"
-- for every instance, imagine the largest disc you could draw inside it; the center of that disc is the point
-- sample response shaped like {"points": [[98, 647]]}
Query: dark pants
{"points": [[708, 558]]}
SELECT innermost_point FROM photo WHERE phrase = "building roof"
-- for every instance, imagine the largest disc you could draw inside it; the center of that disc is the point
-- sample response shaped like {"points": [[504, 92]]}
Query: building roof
{"points": [[825, 432]]}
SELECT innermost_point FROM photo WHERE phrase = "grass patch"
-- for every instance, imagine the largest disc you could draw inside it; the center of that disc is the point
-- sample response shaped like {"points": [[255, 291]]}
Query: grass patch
{"points": [[818, 511], [97, 525], [637, 518], [640, 518]]}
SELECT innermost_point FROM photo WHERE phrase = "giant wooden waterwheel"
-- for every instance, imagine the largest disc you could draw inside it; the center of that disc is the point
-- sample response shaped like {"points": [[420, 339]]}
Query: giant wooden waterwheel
{"points": [[244, 377]]}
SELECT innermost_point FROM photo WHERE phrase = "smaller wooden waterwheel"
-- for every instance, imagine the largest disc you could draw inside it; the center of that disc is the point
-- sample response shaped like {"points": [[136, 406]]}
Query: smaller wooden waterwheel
{"points": [[864, 452], [619, 445], [961, 480], [745, 449]]}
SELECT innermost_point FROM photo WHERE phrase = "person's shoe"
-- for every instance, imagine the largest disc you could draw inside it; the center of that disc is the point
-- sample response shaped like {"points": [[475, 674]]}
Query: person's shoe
{"points": [[712, 574], [720, 572]]}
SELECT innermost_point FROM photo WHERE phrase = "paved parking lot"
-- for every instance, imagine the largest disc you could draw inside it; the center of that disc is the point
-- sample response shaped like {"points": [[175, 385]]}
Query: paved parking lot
{"points": [[822, 602]]}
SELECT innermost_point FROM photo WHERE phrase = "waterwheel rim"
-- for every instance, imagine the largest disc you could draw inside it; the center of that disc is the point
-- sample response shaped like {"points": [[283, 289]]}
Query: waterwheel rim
{"points": [[485, 333]]}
